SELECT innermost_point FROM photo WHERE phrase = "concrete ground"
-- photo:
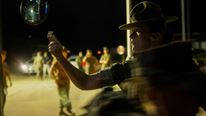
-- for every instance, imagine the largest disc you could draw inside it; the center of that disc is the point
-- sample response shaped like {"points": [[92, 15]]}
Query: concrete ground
{"points": [[30, 96]]}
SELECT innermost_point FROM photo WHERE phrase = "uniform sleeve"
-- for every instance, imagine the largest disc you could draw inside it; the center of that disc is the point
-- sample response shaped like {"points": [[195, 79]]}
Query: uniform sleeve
{"points": [[113, 75], [120, 72]]}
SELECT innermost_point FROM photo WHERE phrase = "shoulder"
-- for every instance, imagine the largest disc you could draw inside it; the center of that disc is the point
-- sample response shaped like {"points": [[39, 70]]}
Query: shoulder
{"points": [[114, 103]]}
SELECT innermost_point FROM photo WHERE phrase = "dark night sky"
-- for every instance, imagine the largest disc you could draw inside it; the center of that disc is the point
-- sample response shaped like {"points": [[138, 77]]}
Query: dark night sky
{"points": [[77, 24], [82, 24]]}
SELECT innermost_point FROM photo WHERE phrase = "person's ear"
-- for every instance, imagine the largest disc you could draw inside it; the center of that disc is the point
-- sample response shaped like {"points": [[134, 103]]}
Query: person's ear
{"points": [[155, 37]]}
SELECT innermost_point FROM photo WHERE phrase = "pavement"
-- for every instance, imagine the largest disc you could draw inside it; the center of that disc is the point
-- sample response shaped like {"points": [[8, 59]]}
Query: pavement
{"points": [[30, 96]]}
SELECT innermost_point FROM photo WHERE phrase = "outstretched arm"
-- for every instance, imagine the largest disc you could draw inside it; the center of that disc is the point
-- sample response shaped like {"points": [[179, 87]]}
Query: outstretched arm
{"points": [[79, 78]]}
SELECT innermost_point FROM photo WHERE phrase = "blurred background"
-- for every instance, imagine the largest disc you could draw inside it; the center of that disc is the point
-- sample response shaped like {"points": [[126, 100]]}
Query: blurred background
{"points": [[79, 25], [92, 24]]}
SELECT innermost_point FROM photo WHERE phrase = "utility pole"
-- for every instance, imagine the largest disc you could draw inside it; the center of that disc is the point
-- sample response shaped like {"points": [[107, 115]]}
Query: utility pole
{"points": [[128, 8], [183, 20], [188, 18]]}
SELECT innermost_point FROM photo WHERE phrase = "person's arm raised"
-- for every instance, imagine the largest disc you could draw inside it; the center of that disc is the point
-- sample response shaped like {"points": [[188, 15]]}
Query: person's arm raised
{"points": [[79, 78]]}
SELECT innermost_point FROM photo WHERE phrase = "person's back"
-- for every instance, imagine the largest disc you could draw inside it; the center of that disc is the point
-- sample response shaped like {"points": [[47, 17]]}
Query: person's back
{"points": [[63, 85], [90, 62], [59, 75], [58, 72]]}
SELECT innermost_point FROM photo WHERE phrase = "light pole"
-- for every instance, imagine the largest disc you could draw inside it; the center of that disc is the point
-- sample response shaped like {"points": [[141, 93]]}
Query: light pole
{"points": [[183, 20], [128, 8]]}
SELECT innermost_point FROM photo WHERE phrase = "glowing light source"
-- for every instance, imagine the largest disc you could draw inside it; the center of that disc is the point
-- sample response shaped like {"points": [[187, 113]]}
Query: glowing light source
{"points": [[34, 12]]}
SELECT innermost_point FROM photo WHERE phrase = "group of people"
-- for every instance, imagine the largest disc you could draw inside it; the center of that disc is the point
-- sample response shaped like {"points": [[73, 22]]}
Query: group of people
{"points": [[41, 64], [161, 79], [89, 64]]}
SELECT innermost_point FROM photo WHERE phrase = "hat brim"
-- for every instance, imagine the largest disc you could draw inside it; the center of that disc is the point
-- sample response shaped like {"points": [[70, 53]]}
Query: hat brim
{"points": [[133, 25]]}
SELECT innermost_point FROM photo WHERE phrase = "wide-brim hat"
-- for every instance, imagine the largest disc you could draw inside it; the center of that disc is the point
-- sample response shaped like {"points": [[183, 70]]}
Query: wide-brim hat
{"points": [[146, 12]]}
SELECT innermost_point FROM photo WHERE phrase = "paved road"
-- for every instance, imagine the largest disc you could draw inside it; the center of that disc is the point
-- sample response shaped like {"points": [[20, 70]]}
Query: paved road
{"points": [[33, 97]]}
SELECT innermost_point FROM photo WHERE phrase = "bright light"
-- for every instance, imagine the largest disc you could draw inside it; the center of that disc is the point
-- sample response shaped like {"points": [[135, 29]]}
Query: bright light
{"points": [[31, 10], [120, 49], [99, 52], [24, 67]]}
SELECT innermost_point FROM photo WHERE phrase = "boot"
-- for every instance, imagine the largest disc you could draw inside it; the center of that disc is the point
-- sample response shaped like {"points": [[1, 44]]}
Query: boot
{"points": [[61, 112], [69, 110]]}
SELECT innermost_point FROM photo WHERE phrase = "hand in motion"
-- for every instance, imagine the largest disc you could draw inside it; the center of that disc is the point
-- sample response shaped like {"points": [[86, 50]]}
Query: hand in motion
{"points": [[54, 46]]}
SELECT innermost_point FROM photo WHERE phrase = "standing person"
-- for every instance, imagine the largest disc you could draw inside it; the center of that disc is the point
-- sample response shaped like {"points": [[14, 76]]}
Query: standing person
{"points": [[105, 59], [91, 64], [6, 75], [63, 85], [166, 85], [38, 64], [46, 64], [79, 59]]}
